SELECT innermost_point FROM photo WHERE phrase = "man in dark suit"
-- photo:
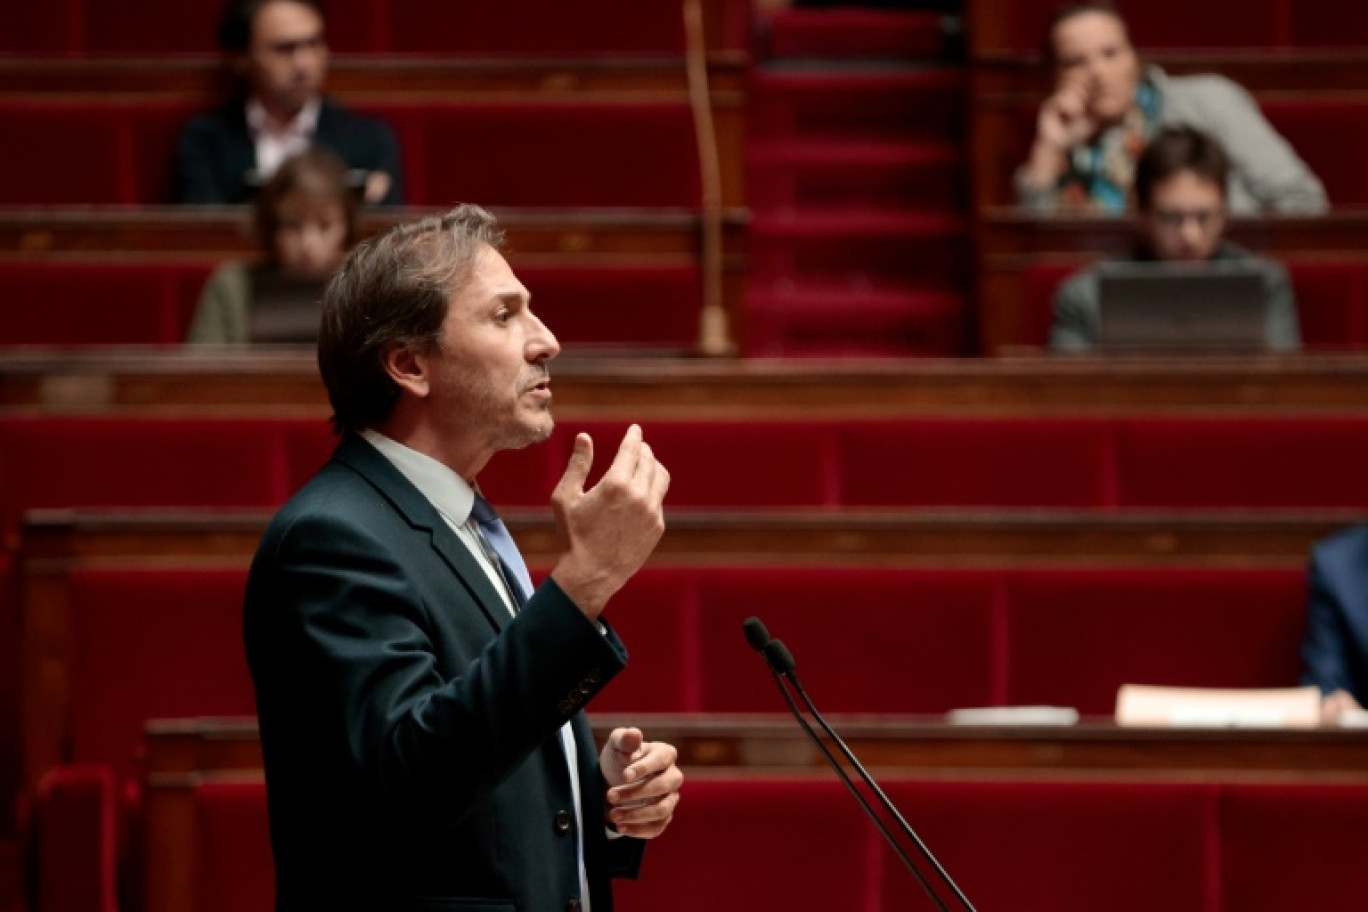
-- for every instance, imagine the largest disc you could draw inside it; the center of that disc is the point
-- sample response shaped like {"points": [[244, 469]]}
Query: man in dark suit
{"points": [[278, 51], [1335, 648], [420, 703]]}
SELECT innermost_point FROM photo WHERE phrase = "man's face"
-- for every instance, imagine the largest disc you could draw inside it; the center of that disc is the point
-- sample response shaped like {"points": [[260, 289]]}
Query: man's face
{"points": [[311, 235], [288, 56], [492, 388], [1186, 218], [1094, 50]]}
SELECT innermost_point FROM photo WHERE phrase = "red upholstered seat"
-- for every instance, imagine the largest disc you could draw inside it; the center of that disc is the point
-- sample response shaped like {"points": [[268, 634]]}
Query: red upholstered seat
{"points": [[1310, 837], [1242, 462], [1332, 302], [1075, 636], [546, 154], [76, 832], [1000, 462], [757, 844], [232, 847], [617, 27], [64, 154], [1327, 134], [98, 303], [1325, 24], [724, 463], [632, 307], [140, 462], [37, 29], [657, 615], [1020, 25], [1062, 846], [884, 641], [152, 644]]}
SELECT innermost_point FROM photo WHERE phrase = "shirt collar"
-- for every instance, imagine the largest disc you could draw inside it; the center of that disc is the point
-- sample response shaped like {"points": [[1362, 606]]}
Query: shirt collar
{"points": [[448, 492], [304, 124]]}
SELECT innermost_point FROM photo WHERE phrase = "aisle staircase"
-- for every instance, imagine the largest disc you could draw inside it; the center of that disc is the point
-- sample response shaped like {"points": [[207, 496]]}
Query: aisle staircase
{"points": [[860, 231]]}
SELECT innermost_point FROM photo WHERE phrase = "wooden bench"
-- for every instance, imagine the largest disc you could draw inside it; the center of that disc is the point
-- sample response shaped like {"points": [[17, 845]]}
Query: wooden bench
{"points": [[140, 382], [203, 786]]}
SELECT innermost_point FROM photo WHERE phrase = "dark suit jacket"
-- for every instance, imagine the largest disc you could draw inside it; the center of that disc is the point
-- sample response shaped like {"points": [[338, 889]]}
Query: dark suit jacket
{"points": [[409, 723], [1335, 650], [216, 150]]}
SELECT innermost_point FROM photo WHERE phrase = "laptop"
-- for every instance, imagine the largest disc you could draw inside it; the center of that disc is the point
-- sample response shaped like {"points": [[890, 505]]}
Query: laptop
{"points": [[1192, 307]]}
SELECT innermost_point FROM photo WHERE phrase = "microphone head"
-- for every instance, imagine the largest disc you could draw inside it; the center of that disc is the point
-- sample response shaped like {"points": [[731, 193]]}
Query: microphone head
{"points": [[779, 657], [756, 634]]}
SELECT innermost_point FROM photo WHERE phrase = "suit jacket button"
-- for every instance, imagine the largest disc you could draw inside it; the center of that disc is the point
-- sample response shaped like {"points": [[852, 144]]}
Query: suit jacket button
{"points": [[563, 822], [572, 906]]}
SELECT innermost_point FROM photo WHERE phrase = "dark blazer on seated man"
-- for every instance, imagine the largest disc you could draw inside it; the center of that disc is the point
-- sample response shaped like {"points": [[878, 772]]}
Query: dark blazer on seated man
{"points": [[216, 151], [1335, 649]]}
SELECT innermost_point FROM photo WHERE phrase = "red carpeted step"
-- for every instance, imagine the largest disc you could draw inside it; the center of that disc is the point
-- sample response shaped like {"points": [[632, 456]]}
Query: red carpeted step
{"points": [[784, 321], [858, 105], [858, 34], [861, 249], [856, 175]]}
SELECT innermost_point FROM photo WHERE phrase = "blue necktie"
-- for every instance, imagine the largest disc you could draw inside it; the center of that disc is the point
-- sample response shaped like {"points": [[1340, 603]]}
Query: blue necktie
{"points": [[505, 557]]}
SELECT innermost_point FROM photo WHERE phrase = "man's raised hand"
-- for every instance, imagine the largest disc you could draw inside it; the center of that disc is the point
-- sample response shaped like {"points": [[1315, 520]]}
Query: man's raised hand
{"points": [[608, 531]]}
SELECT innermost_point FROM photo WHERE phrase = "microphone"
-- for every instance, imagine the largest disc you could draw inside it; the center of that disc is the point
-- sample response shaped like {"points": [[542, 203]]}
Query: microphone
{"points": [[783, 666]]}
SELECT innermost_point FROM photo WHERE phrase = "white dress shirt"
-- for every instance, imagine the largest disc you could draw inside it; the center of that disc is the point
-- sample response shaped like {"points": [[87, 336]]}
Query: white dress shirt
{"points": [[274, 145], [453, 497]]}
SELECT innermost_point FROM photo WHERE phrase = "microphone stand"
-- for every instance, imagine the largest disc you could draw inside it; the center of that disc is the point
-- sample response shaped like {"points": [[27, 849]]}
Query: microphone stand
{"points": [[782, 666], [845, 778]]}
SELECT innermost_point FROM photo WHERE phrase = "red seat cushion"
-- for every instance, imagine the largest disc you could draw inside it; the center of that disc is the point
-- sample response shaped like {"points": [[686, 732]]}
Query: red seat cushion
{"points": [[632, 307], [773, 845], [723, 463], [1332, 302], [152, 644], [1327, 133], [882, 641], [1292, 847], [547, 154], [1242, 462], [97, 303], [232, 848], [1066, 846], [1077, 635], [995, 462]]}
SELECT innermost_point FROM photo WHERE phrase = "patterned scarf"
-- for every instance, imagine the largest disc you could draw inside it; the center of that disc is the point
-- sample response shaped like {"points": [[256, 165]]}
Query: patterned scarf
{"points": [[1101, 172]]}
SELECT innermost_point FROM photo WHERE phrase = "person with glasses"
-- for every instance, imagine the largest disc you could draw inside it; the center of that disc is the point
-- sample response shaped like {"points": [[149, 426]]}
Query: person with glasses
{"points": [[1181, 207]]}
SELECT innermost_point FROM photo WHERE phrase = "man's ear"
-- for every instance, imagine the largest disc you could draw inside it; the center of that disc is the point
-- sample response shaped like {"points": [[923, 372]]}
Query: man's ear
{"points": [[409, 368]]}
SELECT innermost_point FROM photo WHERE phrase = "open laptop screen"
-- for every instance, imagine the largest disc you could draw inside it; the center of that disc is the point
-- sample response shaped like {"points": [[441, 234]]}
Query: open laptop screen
{"points": [[1182, 307]]}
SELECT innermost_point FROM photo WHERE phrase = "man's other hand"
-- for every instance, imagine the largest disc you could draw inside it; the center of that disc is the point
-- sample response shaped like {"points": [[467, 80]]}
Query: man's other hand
{"points": [[643, 783]]}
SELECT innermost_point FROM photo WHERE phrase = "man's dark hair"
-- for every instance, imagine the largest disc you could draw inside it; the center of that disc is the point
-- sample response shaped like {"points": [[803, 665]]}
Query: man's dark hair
{"points": [[239, 16], [315, 172], [393, 290], [1065, 13], [1174, 150]]}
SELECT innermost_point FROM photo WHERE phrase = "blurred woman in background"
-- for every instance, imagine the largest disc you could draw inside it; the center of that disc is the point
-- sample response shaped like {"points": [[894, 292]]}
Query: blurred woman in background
{"points": [[305, 220]]}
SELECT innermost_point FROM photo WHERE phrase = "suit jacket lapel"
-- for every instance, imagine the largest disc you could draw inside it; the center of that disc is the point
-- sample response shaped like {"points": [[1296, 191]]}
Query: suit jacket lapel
{"points": [[368, 462]]}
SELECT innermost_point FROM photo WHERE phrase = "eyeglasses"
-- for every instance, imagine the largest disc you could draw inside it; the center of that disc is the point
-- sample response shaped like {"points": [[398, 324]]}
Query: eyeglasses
{"points": [[1205, 219]]}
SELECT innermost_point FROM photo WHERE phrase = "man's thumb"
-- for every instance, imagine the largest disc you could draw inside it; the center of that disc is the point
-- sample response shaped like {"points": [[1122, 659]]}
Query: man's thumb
{"points": [[628, 740], [581, 458]]}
